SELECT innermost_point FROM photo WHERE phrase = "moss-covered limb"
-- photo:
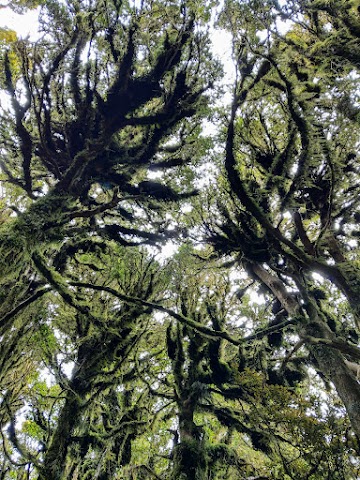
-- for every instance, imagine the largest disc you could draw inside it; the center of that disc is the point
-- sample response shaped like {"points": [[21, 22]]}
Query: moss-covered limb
{"points": [[71, 413], [26, 141], [177, 316], [148, 471], [102, 363], [188, 352], [57, 282], [339, 274], [309, 138], [334, 343], [100, 209], [339, 42], [152, 391], [42, 223], [308, 245], [13, 251], [119, 233], [28, 301], [303, 126], [272, 329], [334, 367], [345, 277], [26, 455], [72, 181], [287, 300], [83, 35], [16, 287], [72, 428], [127, 94], [178, 362], [17, 366], [291, 353], [239, 189], [8, 456], [326, 349], [348, 276], [32, 107], [222, 453], [12, 358], [160, 91], [228, 418], [330, 361], [124, 417]]}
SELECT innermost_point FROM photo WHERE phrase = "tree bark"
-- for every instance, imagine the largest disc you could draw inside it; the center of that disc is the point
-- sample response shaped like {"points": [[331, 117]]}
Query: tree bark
{"points": [[333, 365], [55, 457], [329, 360], [190, 462]]}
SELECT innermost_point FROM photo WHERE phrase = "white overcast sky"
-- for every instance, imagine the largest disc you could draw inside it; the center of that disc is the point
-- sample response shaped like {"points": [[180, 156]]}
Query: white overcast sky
{"points": [[24, 25]]}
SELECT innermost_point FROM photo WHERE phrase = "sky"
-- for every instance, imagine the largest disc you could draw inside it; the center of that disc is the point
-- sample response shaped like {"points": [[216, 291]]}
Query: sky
{"points": [[24, 25]]}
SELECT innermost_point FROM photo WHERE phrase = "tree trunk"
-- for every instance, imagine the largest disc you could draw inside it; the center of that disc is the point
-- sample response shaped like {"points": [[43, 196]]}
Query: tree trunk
{"points": [[332, 364], [69, 418], [330, 361], [190, 459], [55, 457]]}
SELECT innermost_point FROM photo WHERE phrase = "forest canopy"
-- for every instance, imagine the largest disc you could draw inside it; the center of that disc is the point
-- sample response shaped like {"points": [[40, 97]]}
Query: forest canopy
{"points": [[237, 356]]}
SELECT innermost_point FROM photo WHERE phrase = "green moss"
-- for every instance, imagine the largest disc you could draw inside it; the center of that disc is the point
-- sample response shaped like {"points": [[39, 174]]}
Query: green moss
{"points": [[44, 220], [13, 252], [190, 461], [41, 224]]}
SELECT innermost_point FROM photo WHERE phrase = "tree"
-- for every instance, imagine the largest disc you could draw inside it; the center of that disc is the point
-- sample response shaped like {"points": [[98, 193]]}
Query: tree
{"points": [[104, 97], [101, 127], [289, 163], [229, 392]]}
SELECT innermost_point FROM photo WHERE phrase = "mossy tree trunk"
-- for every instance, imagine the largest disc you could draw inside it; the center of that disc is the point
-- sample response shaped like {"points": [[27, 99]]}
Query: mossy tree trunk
{"points": [[190, 455]]}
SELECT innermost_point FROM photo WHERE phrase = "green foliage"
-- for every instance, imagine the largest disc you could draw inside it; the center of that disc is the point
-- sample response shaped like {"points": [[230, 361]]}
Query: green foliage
{"points": [[20, 6]]}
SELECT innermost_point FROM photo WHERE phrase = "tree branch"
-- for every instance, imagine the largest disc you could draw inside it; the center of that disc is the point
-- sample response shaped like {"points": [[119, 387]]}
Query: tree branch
{"points": [[178, 316], [6, 318]]}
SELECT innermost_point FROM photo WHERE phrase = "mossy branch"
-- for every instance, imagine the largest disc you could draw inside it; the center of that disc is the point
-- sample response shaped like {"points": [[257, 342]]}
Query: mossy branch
{"points": [[199, 327], [6, 318], [343, 347], [61, 287]]}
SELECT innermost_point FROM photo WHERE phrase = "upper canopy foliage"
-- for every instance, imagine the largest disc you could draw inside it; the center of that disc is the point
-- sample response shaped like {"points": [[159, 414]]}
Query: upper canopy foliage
{"points": [[238, 356]]}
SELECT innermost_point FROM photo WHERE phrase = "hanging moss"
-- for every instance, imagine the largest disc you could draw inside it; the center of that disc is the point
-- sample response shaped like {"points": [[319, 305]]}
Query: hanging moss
{"points": [[43, 222], [13, 252]]}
